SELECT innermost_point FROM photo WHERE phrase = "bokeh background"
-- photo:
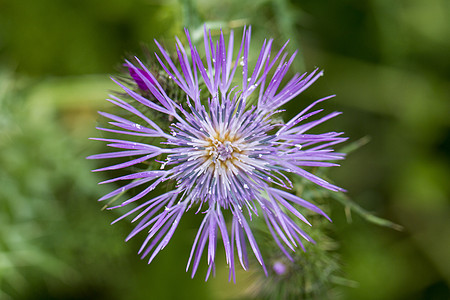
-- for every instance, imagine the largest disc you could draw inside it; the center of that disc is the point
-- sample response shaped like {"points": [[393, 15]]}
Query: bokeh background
{"points": [[387, 61]]}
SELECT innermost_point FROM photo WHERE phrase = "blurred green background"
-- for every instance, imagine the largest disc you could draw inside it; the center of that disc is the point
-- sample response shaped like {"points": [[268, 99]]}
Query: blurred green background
{"points": [[387, 61]]}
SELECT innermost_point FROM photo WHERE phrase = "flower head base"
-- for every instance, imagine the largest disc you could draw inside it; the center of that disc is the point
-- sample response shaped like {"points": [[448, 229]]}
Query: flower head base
{"points": [[224, 151]]}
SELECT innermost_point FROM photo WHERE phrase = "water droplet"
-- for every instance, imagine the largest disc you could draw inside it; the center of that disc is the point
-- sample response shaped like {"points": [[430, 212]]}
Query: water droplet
{"points": [[252, 87], [245, 186]]}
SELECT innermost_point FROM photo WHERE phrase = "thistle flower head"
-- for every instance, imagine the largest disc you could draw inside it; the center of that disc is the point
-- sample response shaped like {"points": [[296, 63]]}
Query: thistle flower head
{"points": [[224, 149]]}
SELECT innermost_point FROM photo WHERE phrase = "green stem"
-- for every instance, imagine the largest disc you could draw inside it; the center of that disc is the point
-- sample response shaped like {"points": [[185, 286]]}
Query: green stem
{"points": [[355, 145], [285, 18], [347, 202], [191, 19]]}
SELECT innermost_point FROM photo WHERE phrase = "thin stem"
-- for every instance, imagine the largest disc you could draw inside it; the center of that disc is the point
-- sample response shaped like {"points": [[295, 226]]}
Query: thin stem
{"points": [[285, 17], [191, 19], [348, 203]]}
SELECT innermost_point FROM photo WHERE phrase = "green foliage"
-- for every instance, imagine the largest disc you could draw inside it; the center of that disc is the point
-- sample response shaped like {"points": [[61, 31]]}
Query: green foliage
{"points": [[45, 191]]}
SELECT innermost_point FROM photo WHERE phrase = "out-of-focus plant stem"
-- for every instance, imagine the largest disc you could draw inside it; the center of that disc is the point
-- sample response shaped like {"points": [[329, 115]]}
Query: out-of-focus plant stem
{"points": [[191, 19], [352, 206], [285, 18]]}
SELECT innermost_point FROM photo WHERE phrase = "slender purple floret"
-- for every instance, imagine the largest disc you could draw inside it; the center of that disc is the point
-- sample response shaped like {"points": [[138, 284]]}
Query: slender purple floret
{"points": [[136, 75], [223, 153]]}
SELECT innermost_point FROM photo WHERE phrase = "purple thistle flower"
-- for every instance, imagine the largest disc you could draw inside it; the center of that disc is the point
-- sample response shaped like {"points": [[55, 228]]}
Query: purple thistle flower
{"points": [[223, 153]]}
